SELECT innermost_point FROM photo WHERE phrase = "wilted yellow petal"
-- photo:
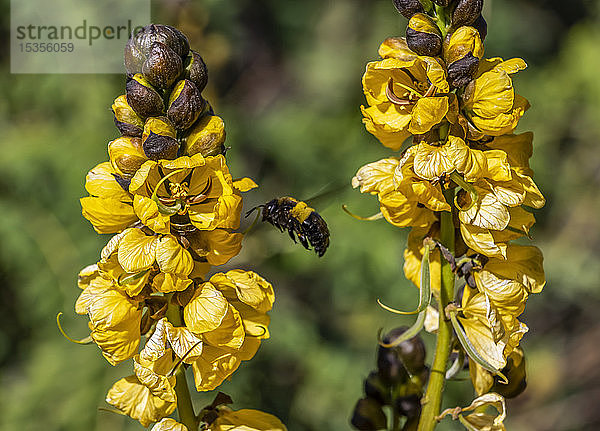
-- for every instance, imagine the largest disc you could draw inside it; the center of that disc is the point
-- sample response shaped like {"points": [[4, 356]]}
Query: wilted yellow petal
{"points": [[432, 162], [147, 211], [487, 213], [172, 257], [523, 264], [482, 339], [137, 251], [206, 310], [482, 241], [167, 282], [229, 334], [377, 177], [136, 401], [247, 286], [399, 211], [168, 424], [153, 375], [427, 112], [509, 296], [214, 366]]}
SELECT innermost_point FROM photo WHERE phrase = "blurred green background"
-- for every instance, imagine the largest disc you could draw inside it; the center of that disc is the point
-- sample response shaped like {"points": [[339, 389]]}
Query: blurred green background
{"points": [[285, 76]]}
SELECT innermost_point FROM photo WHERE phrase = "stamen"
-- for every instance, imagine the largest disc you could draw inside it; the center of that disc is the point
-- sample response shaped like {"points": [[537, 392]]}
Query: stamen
{"points": [[389, 92], [377, 216], [86, 340]]}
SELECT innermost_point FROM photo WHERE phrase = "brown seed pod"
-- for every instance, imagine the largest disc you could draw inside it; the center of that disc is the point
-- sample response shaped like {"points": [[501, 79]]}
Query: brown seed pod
{"points": [[408, 7], [423, 36], [143, 98], [466, 12], [138, 47], [196, 70], [159, 139], [185, 104], [163, 66]]}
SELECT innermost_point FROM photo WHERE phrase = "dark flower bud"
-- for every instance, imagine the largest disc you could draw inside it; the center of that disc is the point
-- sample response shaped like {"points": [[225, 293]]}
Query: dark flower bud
{"points": [[127, 121], [126, 156], [185, 104], [206, 137], [163, 66], [138, 47], [423, 36], [143, 98], [516, 373], [410, 352], [409, 405], [390, 367], [461, 72], [462, 52], [375, 388], [196, 70], [159, 139], [466, 12], [368, 415], [408, 7], [481, 26]]}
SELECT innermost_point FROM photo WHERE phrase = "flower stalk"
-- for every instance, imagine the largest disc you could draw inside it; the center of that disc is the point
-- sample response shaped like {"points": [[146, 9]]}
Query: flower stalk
{"points": [[433, 396]]}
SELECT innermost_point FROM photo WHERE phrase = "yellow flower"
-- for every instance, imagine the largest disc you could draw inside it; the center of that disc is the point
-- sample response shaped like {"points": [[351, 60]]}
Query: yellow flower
{"points": [[490, 102], [154, 374], [246, 420], [109, 208], [493, 243], [508, 282], [405, 199], [481, 421], [216, 246], [433, 161], [493, 336], [114, 317], [229, 313], [198, 188], [136, 401], [405, 97]]}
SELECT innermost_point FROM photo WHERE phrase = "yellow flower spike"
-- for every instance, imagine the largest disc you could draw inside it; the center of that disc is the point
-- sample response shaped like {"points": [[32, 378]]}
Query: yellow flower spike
{"points": [[84, 341], [136, 401]]}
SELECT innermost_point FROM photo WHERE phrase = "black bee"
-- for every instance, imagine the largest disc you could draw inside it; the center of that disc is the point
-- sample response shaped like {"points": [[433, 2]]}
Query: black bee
{"points": [[299, 219]]}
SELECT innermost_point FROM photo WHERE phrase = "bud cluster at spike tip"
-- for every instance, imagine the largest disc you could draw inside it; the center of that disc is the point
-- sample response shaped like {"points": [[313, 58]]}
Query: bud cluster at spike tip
{"points": [[452, 114], [167, 197]]}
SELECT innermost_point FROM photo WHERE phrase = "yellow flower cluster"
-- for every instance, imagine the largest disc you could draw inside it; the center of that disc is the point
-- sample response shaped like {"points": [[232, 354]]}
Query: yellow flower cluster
{"points": [[168, 197], [463, 145]]}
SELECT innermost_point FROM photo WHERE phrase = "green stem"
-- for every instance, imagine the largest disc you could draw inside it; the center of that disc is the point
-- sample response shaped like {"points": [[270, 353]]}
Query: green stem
{"points": [[432, 400], [185, 408]]}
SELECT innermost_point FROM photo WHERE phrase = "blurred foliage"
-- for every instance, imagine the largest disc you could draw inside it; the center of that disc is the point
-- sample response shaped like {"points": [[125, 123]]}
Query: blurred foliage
{"points": [[285, 76]]}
